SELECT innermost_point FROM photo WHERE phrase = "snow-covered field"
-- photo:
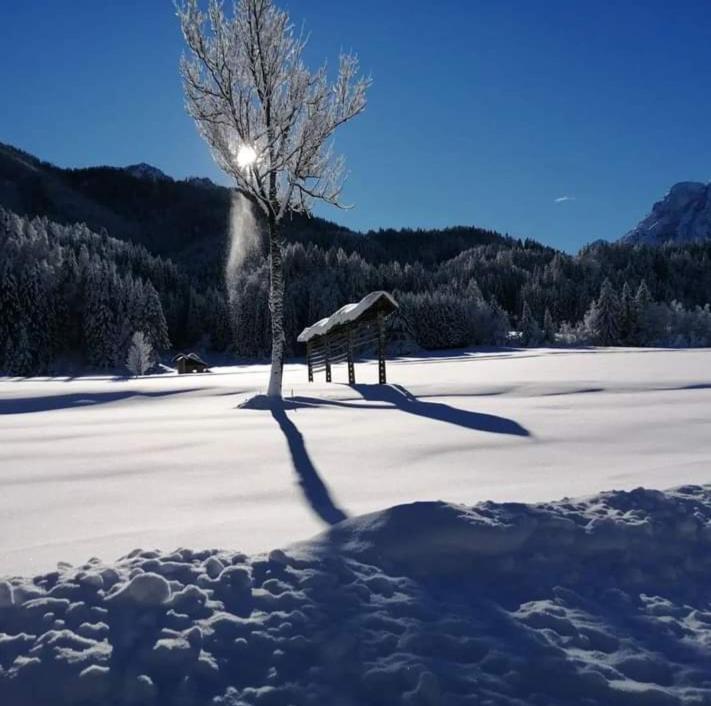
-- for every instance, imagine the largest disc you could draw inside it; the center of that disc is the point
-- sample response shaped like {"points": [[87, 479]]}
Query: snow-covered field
{"points": [[602, 601], [97, 467]]}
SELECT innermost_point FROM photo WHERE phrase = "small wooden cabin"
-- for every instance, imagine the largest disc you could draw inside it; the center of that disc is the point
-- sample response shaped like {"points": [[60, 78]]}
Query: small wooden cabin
{"points": [[351, 329], [190, 363]]}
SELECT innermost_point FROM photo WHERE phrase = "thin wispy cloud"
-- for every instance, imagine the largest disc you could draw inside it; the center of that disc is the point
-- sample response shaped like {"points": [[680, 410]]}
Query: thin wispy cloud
{"points": [[562, 199]]}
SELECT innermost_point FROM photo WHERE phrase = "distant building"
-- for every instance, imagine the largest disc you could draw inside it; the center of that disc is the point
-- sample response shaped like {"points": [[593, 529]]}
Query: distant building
{"points": [[190, 363]]}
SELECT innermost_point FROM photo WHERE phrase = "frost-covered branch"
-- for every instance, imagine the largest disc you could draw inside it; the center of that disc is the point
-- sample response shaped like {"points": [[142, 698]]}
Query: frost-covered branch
{"points": [[246, 84]]}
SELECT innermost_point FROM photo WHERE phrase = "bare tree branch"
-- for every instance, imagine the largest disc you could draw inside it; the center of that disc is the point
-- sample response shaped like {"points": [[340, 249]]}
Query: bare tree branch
{"points": [[246, 84], [267, 119]]}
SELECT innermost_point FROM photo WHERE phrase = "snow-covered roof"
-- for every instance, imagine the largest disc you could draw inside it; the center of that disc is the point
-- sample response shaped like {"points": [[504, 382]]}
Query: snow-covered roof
{"points": [[346, 314], [189, 356]]}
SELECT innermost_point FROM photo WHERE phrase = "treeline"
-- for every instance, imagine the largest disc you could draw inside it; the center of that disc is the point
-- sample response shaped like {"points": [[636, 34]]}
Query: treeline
{"points": [[68, 291], [65, 291], [485, 292], [633, 319]]}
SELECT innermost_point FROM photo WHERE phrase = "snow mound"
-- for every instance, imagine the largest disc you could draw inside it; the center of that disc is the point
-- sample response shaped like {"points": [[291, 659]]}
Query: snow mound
{"points": [[598, 601]]}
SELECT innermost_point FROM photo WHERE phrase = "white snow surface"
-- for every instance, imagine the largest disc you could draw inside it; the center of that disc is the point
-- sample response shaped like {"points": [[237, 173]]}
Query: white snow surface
{"points": [[97, 466], [602, 601], [346, 314]]}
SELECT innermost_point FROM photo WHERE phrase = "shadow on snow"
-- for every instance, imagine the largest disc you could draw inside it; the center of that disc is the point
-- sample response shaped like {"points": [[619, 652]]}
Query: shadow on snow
{"points": [[398, 397], [48, 403], [314, 489], [381, 397]]}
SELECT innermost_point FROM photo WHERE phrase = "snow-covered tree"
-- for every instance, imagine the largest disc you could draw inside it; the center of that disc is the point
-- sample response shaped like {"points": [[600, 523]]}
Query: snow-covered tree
{"points": [[140, 354], [603, 317], [154, 319], [628, 315], [531, 333], [99, 333], [549, 327], [268, 119], [646, 322]]}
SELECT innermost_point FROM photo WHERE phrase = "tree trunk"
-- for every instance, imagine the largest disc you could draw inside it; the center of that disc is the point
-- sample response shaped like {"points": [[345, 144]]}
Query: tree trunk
{"points": [[276, 308]]}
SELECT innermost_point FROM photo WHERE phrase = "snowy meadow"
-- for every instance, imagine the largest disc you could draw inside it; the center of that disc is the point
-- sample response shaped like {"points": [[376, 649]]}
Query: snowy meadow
{"points": [[418, 589], [495, 492], [97, 466]]}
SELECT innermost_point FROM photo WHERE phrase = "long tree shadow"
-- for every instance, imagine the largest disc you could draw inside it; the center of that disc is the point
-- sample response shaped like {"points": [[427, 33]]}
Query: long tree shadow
{"points": [[398, 397], [314, 489]]}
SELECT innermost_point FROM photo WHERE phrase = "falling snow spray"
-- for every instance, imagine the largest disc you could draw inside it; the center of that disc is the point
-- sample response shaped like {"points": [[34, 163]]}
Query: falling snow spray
{"points": [[244, 240]]}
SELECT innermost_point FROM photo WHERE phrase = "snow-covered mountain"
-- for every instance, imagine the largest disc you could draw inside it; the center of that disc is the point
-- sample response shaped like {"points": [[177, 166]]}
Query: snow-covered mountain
{"points": [[683, 215], [147, 171], [200, 181]]}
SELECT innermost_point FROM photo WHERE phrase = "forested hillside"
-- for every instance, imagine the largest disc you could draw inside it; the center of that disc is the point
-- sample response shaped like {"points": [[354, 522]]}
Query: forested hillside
{"points": [[188, 220], [65, 291], [152, 254]]}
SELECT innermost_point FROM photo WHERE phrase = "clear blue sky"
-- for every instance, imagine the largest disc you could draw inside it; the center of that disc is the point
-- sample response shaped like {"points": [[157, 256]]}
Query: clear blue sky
{"points": [[482, 112]]}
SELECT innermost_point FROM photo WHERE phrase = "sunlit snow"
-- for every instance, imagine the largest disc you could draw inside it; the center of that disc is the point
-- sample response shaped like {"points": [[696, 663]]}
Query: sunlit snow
{"points": [[98, 466]]}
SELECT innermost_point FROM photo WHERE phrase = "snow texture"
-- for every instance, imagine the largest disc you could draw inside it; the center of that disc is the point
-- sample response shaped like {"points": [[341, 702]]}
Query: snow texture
{"points": [[346, 314], [97, 466], [597, 601]]}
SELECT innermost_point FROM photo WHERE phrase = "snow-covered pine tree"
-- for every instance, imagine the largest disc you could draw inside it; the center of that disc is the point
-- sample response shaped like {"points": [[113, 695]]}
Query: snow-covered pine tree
{"points": [[531, 333], [268, 120], [193, 317], [140, 354], [154, 320], [628, 315], [549, 327], [221, 336], [34, 316], [643, 329], [99, 331], [603, 320], [500, 325]]}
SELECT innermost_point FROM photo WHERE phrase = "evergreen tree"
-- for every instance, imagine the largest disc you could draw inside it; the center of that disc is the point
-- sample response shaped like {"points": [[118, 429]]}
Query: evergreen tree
{"points": [[549, 327], [531, 333], [628, 316], [153, 319], [643, 320], [99, 331], [603, 319]]}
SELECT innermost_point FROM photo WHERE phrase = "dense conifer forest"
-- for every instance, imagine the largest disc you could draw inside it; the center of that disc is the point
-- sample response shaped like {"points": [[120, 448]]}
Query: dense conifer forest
{"points": [[91, 256]]}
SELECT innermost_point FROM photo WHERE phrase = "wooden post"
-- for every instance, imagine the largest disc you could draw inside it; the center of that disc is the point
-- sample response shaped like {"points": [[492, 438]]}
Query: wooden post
{"points": [[327, 349], [309, 352], [351, 366], [382, 377]]}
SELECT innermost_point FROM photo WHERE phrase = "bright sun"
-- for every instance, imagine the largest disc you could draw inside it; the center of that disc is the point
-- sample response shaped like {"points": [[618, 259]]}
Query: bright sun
{"points": [[246, 156]]}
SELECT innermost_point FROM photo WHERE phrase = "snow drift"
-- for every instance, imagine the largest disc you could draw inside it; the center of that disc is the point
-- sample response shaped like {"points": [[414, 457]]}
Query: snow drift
{"points": [[603, 600]]}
